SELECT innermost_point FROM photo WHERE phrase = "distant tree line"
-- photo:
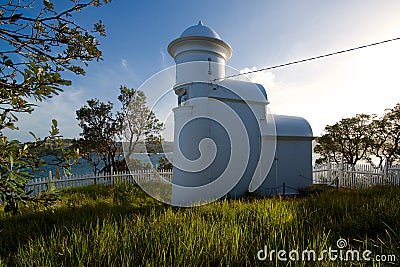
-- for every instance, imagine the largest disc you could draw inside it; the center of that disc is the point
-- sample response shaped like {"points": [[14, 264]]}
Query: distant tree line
{"points": [[362, 137]]}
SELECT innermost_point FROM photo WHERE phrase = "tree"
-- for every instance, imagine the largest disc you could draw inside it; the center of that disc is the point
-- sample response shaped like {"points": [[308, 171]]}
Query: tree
{"points": [[39, 41], [349, 139], [139, 123], [101, 131], [386, 136], [19, 161], [164, 164]]}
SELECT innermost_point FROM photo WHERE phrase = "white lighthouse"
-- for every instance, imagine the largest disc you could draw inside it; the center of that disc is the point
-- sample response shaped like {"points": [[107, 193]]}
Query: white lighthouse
{"points": [[225, 141], [199, 44]]}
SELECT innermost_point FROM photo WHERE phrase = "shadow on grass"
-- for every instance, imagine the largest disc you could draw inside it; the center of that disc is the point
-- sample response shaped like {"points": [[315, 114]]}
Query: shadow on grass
{"points": [[15, 230], [314, 221]]}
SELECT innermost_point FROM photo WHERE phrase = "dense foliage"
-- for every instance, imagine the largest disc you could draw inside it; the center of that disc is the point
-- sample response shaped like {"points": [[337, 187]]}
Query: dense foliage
{"points": [[106, 135], [362, 137], [39, 42]]}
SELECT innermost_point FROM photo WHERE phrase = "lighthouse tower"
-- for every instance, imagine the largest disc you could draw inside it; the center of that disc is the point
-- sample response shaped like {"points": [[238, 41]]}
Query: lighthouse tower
{"points": [[199, 43], [225, 142], [216, 134]]}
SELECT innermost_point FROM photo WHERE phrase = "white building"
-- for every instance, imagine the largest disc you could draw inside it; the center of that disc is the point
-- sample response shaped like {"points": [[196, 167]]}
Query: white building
{"points": [[225, 141]]}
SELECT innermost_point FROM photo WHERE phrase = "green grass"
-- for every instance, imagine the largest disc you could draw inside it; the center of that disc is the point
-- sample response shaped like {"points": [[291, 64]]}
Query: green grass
{"points": [[122, 226]]}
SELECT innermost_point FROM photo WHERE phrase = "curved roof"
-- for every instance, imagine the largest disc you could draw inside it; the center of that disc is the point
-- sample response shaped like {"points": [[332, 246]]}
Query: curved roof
{"points": [[292, 126], [200, 30], [200, 38], [245, 90]]}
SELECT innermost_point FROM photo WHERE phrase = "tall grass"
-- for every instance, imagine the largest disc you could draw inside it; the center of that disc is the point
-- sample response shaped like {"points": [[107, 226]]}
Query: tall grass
{"points": [[121, 226]]}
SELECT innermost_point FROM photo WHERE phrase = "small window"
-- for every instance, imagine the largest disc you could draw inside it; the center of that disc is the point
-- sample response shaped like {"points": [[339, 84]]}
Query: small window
{"points": [[182, 98]]}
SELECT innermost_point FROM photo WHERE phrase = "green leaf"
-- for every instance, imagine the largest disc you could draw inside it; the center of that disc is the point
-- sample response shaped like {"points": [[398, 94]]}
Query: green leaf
{"points": [[11, 162]]}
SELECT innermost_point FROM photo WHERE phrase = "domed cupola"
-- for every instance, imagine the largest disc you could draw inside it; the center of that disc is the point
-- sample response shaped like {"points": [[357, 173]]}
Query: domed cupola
{"points": [[200, 30], [200, 43]]}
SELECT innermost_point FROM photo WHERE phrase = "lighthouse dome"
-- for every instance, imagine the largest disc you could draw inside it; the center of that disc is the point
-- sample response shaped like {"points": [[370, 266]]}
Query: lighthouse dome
{"points": [[200, 30], [198, 43]]}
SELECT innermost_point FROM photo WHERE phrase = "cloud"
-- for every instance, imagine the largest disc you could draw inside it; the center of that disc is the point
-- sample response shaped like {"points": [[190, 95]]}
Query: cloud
{"points": [[163, 56], [266, 79], [294, 97], [61, 107], [124, 63], [325, 91]]}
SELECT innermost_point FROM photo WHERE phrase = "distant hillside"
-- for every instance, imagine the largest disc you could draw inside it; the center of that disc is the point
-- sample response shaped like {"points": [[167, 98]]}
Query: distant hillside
{"points": [[167, 147]]}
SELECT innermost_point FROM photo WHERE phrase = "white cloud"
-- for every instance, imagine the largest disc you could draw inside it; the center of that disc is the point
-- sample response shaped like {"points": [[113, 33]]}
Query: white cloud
{"points": [[325, 91], [163, 56], [266, 79], [124, 63], [61, 107]]}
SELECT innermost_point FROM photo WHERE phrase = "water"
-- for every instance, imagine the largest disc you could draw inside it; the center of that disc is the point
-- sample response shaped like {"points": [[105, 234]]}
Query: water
{"points": [[83, 167]]}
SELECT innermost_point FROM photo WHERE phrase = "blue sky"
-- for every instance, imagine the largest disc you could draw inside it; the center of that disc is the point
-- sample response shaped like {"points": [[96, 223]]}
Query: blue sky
{"points": [[262, 34]]}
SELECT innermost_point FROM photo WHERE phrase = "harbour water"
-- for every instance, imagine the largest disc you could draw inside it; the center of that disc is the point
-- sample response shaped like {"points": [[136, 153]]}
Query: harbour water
{"points": [[83, 167]]}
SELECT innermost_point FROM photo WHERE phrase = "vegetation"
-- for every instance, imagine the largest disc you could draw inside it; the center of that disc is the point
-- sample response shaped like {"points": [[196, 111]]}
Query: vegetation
{"points": [[121, 226], [102, 131], [99, 132], [39, 42], [362, 137], [139, 124], [164, 163]]}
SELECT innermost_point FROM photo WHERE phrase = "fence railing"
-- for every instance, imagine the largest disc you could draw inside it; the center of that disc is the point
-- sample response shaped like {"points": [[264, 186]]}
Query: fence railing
{"points": [[358, 176], [39, 184], [340, 175]]}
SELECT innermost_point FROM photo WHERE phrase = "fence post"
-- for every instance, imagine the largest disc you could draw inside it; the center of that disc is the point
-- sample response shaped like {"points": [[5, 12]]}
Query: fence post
{"points": [[50, 181], [329, 170], [341, 173], [385, 170], [398, 176], [111, 176], [283, 188], [337, 184]]}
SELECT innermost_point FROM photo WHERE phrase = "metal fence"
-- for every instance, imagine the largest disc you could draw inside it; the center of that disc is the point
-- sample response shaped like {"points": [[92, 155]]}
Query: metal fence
{"points": [[39, 184], [357, 176]]}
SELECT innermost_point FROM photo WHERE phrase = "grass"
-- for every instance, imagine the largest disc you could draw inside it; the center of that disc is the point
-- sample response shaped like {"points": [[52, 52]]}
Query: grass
{"points": [[122, 226]]}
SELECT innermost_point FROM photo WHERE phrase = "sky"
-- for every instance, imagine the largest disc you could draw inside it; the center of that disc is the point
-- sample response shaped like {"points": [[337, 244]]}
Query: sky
{"points": [[262, 34]]}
